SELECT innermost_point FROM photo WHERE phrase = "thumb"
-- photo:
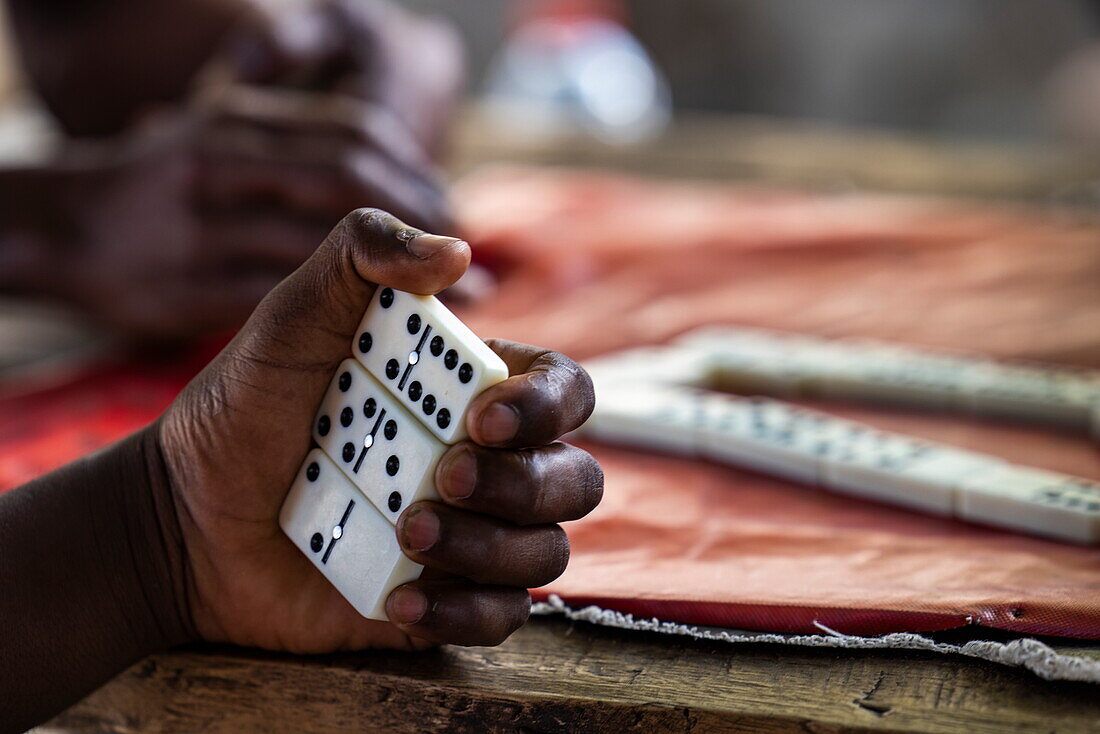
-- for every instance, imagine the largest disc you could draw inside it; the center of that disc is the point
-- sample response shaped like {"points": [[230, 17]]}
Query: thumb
{"points": [[311, 316], [377, 248]]}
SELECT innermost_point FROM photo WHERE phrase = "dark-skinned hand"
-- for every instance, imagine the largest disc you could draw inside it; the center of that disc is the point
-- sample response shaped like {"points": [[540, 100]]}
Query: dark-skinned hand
{"points": [[182, 228], [100, 67], [208, 189], [235, 437]]}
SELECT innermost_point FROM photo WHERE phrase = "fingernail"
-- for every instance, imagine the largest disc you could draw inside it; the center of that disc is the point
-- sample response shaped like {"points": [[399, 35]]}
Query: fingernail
{"points": [[424, 245], [406, 605], [421, 530], [458, 476], [499, 423]]}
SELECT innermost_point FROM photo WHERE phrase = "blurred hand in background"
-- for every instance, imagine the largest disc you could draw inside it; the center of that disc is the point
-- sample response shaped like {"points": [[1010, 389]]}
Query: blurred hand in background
{"points": [[211, 144]]}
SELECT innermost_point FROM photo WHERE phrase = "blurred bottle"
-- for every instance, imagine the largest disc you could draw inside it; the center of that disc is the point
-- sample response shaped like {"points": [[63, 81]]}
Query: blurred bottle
{"points": [[572, 64]]}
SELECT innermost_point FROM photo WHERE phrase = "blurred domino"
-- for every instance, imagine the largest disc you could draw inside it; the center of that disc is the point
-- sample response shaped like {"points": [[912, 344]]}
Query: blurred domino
{"points": [[875, 371], [645, 416], [1061, 396], [1035, 501], [750, 360], [753, 361], [765, 435], [908, 472], [656, 398], [661, 365], [344, 536]]}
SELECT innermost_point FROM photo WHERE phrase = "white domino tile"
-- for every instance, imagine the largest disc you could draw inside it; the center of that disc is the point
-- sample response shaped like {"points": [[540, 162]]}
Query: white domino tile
{"points": [[646, 416], [768, 436], [1058, 396], [427, 357], [751, 361], [783, 364], [344, 536], [652, 398], [887, 373], [389, 455], [904, 471], [1034, 501], [661, 365]]}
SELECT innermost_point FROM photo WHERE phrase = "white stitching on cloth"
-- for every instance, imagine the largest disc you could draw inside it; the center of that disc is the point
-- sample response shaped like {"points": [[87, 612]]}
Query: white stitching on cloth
{"points": [[1027, 653]]}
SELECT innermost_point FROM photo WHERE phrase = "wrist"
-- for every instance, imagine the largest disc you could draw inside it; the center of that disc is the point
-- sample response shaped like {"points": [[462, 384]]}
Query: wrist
{"points": [[93, 578], [167, 573], [148, 557]]}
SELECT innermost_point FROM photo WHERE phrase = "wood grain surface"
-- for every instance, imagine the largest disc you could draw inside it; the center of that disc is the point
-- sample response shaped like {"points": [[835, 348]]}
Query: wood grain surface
{"points": [[553, 676]]}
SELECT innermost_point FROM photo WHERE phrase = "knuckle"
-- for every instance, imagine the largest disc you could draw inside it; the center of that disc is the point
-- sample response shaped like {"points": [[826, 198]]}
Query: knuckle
{"points": [[359, 231], [489, 618], [567, 367], [578, 480], [587, 390], [510, 613], [498, 634], [521, 611], [542, 400], [501, 629], [561, 550], [592, 482], [581, 390], [362, 222], [534, 475], [573, 383], [554, 558]]}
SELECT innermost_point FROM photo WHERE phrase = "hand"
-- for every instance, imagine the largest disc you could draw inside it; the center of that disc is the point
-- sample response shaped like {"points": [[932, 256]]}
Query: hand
{"points": [[182, 228], [235, 437], [411, 66]]}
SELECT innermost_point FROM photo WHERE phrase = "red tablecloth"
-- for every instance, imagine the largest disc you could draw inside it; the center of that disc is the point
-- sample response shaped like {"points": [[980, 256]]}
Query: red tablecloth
{"points": [[591, 263]]}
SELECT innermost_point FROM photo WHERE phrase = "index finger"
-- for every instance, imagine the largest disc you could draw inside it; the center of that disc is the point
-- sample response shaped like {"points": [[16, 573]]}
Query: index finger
{"points": [[546, 396]]}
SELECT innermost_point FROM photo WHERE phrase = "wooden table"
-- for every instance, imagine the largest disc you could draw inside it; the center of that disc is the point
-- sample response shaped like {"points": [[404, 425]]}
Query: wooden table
{"points": [[556, 676]]}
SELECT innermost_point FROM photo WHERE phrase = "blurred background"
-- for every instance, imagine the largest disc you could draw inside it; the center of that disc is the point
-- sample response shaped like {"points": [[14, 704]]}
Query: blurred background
{"points": [[975, 68], [979, 97], [997, 99], [1002, 69]]}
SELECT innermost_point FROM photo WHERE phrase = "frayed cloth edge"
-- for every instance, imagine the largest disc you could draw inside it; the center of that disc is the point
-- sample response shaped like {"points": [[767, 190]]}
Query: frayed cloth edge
{"points": [[1031, 654]]}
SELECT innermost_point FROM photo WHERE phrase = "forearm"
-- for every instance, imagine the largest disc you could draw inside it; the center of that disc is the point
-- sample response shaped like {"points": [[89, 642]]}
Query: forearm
{"points": [[98, 64], [93, 578]]}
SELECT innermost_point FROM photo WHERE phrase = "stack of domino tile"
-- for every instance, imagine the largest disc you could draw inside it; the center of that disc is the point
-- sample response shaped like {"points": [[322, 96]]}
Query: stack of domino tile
{"points": [[390, 412], [652, 398]]}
